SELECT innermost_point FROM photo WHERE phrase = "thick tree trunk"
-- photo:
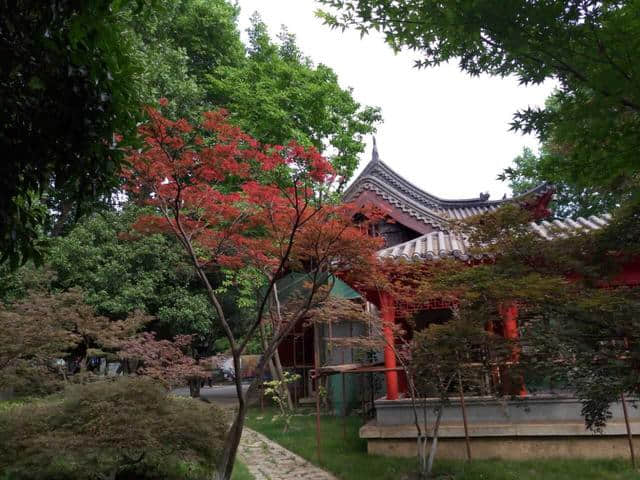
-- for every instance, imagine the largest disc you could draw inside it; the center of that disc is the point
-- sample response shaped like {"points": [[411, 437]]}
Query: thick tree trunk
{"points": [[231, 445], [65, 212], [194, 387], [232, 441], [280, 374]]}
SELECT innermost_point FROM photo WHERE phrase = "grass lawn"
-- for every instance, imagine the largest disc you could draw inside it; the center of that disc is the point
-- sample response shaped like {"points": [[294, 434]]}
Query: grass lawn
{"points": [[348, 459], [240, 472]]}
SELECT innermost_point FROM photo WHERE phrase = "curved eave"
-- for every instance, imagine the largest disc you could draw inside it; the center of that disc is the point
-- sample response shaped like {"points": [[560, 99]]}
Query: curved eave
{"points": [[379, 177]]}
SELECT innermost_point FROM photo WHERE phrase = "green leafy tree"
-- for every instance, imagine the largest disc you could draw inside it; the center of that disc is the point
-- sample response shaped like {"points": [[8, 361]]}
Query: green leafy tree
{"points": [[69, 81], [121, 273], [530, 169], [440, 359], [591, 49], [179, 44], [278, 95], [192, 54]]}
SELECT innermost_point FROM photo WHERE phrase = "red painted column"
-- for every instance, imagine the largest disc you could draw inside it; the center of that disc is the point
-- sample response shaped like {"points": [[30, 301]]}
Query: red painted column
{"points": [[387, 308], [509, 314]]}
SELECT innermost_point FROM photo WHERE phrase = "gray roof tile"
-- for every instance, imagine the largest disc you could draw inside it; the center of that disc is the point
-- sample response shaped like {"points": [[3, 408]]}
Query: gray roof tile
{"points": [[437, 245]]}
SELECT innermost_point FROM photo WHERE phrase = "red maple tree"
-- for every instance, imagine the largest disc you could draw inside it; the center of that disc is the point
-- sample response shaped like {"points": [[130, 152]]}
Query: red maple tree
{"points": [[163, 360], [233, 203]]}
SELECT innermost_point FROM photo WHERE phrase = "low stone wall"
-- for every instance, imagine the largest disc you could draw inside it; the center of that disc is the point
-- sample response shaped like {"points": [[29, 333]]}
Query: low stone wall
{"points": [[542, 426], [521, 448]]}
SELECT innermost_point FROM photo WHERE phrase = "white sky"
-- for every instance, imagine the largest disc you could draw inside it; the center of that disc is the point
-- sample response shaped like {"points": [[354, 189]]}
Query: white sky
{"points": [[443, 130]]}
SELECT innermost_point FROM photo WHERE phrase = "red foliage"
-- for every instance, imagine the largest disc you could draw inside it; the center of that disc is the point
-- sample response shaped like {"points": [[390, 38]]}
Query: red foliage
{"points": [[162, 359], [241, 203]]}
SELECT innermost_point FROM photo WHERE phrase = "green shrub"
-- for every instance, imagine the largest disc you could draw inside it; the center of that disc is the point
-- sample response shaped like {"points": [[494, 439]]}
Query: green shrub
{"points": [[125, 428]]}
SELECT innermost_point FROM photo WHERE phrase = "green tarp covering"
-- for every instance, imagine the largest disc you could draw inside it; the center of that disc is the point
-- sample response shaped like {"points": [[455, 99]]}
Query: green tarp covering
{"points": [[294, 283]]}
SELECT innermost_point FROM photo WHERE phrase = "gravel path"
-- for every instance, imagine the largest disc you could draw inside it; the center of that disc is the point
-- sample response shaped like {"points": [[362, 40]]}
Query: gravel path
{"points": [[266, 460]]}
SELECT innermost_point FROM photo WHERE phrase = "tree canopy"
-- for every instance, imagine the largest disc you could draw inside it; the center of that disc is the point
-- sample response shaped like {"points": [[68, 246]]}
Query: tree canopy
{"points": [[277, 94], [121, 272], [179, 44], [77, 74], [569, 200], [69, 81], [576, 333]]}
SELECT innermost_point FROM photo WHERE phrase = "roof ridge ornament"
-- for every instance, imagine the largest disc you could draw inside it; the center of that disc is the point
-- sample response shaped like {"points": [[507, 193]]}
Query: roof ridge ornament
{"points": [[375, 157]]}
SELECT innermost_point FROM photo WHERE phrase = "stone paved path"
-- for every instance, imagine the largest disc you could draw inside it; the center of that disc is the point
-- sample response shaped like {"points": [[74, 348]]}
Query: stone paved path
{"points": [[266, 460]]}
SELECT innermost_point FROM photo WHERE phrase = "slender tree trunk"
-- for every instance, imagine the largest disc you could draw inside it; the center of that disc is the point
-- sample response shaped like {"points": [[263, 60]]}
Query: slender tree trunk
{"points": [[425, 440], [276, 374], [434, 443], [344, 408], [234, 435], [629, 435], [276, 354], [265, 345], [464, 417]]}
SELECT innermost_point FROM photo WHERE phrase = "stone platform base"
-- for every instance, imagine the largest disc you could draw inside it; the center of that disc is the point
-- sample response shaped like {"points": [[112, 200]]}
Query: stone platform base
{"points": [[520, 448], [542, 426]]}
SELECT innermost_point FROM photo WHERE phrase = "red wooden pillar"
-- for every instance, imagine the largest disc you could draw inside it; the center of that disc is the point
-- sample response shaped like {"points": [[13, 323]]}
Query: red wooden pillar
{"points": [[387, 308], [509, 314]]}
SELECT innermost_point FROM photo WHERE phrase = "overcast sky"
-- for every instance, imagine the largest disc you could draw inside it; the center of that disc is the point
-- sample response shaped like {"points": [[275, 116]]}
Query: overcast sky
{"points": [[443, 130]]}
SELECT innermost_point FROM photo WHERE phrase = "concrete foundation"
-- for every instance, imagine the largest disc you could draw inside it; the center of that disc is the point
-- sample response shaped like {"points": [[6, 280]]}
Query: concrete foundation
{"points": [[543, 426], [521, 448]]}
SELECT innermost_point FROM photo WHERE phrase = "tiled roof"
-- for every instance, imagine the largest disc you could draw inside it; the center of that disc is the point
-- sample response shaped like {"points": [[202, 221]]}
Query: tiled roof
{"points": [[560, 228], [379, 178], [437, 245]]}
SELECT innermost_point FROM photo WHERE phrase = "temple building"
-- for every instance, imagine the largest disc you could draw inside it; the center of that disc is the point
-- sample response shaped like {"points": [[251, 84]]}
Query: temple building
{"points": [[418, 227]]}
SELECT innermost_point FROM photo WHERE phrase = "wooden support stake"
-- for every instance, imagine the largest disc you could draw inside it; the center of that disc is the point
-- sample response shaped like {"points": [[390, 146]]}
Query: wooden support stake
{"points": [[344, 409], [464, 418], [363, 400], [316, 373], [629, 435]]}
